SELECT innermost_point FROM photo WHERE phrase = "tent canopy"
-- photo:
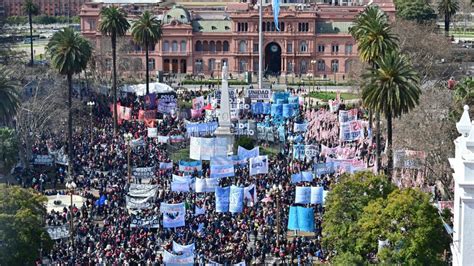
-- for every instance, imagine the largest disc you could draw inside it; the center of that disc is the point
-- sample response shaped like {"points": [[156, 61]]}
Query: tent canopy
{"points": [[140, 89]]}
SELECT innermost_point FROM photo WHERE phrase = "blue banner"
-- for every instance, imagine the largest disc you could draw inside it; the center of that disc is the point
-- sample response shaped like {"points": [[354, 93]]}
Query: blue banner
{"points": [[293, 99], [283, 96], [300, 127], [307, 176], [324, 168], [257, 108], [303, 195], [267, 107], [287, 110], [298, 151], [236, 201], [276, 110], [173, 215], [200, 129], [190, 166], [306, 219], [293, 218], [221, 166], [222, 199], [282, 133], [247, 154], [296, 178], [316, 195], [237, 161]]}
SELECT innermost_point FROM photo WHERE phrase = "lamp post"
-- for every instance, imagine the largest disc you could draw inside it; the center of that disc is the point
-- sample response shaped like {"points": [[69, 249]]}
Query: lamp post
{"points": [[71, 186], [276, 192], [128, 138], [91, 107], [313, 63]]}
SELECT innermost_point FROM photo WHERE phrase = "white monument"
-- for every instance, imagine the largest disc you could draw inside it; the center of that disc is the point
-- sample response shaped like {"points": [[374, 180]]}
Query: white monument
{"points": [[223, 131], [462, 247]]}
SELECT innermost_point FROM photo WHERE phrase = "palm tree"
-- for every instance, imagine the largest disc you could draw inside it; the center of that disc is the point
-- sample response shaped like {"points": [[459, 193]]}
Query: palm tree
{"points": [[9, 95], [374, 37], [146, 31], [70, 53], [31, 9], [447, 8], [114, 23], [393, 89]]}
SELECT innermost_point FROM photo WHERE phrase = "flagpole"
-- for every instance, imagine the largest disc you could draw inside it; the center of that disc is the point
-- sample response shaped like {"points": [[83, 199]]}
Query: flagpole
{"points": [[260, 45]]}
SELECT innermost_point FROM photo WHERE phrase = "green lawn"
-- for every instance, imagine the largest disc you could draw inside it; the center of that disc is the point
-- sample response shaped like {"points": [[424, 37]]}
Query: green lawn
{"points": [[182, 154], [326, 96]]}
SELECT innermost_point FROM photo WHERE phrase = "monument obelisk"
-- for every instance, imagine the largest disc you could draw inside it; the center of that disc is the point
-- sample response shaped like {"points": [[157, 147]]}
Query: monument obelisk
{"points": [[223, 131]]}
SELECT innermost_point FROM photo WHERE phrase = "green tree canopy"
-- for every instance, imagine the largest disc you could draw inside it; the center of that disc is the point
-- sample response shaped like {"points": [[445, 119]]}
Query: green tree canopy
{"points": [[9, 94], [417, 10], [410, 223], [8, 148], [22, 233]]}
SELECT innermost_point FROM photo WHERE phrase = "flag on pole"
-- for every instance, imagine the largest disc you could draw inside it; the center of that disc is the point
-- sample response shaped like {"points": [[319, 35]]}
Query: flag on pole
{"points": [[276, 12]]}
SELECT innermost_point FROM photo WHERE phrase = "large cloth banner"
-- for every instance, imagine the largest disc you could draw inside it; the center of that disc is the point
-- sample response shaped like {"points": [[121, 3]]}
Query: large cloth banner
{"points": [[200, 129], [236, 199], [311, 151], [324, 168], [205, 148], [317, 195], [282, 96], [198, 103], [184, 249], [300, 127], [190, 166], [260, 108], [173, 215], [151, 221], [138, 203], [163, 139], [250, 195], [58, 232], [296, 178], [242, 128], [237, 161], [222, 166], [143, 172], [351, 131], [167, 103], [306, 176], [258, 165], [408, 159], [166, 165], [152, 132], [347, 116], [179, 186], [301, 218], [259, 94], [247, 154], [142, 190], [206, 184], [287, 111], [276, 111], [298, 151], [303, 195], [173, 260], [43, 160], [182, 179], [222, 195]]}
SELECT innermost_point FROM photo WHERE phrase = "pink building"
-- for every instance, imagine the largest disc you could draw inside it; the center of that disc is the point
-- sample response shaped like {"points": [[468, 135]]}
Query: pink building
{"points": [[313, 39]]}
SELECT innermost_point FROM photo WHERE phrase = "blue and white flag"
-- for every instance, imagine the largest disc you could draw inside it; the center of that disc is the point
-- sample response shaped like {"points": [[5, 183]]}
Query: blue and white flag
{"points": [[303, 195], [301, 218], [323, 168], [171, 259], [316, 195], [221, 166], [236, 200], [222, 199], [247, 154], [200, 129], [298, 152], [258, 165], [173, 215], [184, 249], [238, 162], [296, 178], [293, 218], [165, 165], [300, 127], [190, 166]]}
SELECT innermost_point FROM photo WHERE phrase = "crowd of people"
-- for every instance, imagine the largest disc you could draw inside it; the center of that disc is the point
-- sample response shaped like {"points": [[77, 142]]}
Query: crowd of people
{"points": [[102, 232]]}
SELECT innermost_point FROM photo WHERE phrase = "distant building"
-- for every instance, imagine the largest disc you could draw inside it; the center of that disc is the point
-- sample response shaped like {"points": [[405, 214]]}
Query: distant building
{"points": [[197, 39], [46, 7]]}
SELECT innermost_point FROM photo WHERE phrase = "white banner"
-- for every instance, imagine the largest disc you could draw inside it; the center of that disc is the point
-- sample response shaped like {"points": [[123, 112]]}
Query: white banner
{"points": [[152, 221], [258, 165], [142, 190], [185, 249], [205, 148], [206, 184], [58, 232], [259, 94], [152, 132], [179, 186], [173, 215], [138, 203], [171, 259]]}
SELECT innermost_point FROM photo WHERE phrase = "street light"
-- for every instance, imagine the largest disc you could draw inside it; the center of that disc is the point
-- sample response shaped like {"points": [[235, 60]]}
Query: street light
{"points": [[71, 186], [313, 63], [91, 106], [276, 192], [128, 137]]}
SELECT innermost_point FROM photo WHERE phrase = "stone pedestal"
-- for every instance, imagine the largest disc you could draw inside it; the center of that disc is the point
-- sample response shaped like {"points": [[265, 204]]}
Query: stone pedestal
{"points": [[223, 131]]}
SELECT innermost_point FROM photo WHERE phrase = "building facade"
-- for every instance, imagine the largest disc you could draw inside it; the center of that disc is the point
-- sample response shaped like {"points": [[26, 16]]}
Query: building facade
{"points": [[313, 39], [46, 7]]}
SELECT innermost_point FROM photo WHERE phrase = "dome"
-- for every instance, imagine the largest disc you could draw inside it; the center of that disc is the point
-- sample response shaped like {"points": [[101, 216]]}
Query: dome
{"points": [[177, 13]]}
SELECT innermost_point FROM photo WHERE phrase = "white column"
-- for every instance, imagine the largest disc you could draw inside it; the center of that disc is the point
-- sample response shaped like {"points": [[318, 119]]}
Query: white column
{"points": [[260, 46]]}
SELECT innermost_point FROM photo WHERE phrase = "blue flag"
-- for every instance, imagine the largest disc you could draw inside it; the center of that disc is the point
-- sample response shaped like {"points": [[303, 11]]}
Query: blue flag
{"points": [[293, 218], [236, 200], [306, 219], [222, 199], [276, 12]]}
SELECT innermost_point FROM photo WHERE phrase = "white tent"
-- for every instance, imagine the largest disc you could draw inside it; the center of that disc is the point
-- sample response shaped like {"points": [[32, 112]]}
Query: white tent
{"points": [[140, 89]]}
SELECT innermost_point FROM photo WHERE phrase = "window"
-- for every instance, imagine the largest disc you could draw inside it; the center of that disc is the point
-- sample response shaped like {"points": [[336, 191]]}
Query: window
{"points": [[289, 67], [166, 46], [348, 66], [219, 46], [349, 48], [321, 65], [205, 46], [269, 27], [255, 47], [151, 64], [212, 47], [242, 46], [320, 48], [198, 65], [255, 65], [335, 66], [242, 65], [289, 47], [303, 26], [335, 48], [303, 67], [211, 64], [242, 26], [282, 26], [263, 26], [183, 46], [303, 47], [174, 46], [92, 26], [225, 46], [198, 47]]}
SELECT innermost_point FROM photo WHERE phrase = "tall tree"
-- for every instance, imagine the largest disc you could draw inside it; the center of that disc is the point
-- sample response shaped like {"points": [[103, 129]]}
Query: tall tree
{"points": [[69, 53], [31, 9], [8, 149], [9, 95], [393, 89], [447, 8], [22, 233], [417, 10], [114, 23], [373, 34], [146, 31]]}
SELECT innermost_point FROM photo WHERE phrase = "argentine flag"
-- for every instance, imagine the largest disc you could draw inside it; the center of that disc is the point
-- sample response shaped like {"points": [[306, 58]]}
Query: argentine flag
{"points": [[276, 12]]}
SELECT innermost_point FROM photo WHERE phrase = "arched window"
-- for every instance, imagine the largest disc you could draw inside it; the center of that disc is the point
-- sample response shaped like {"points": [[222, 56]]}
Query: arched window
{"points": [[242, 46], [263, 26], [303, 67], [151, 63], [183, 46], [225, 46], [198, 47], [273, 26], [211, 64], [321, 65], [282, 26], [174, 46], [212, 47], [166, 46], [269, 27], [303, 47], [205, 46], [242, 65], [335, 48], [335, 65], [219, 46], [348, 48]]}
